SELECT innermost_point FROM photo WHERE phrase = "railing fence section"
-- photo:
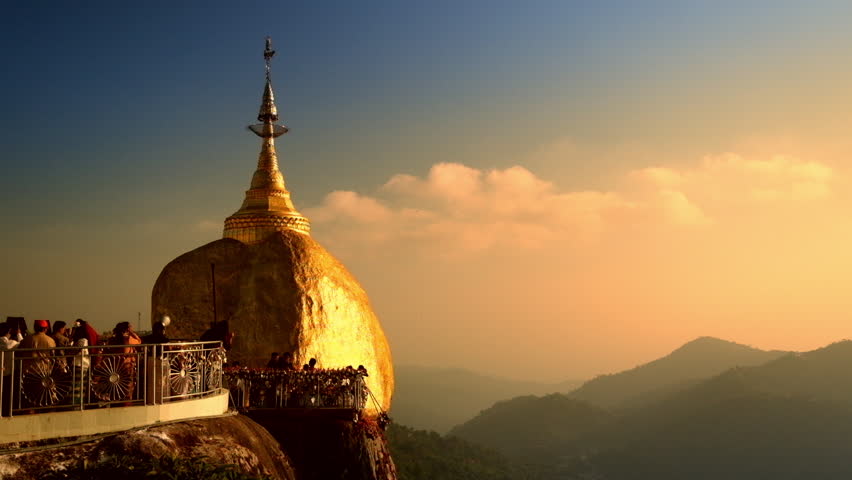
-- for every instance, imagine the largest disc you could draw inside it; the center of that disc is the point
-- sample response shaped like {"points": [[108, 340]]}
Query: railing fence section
{"points": [[69, 378], [277, 388]]}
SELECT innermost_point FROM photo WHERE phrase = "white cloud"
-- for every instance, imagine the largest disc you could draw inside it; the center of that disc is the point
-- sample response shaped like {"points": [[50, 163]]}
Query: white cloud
{"points": [[456, 209]]}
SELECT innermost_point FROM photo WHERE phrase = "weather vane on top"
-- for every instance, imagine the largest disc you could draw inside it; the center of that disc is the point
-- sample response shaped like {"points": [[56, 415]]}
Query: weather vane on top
{"points": [[268, 53]]}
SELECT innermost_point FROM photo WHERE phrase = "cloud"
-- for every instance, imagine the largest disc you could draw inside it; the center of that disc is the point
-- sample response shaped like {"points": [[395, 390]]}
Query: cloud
{"points": [[456, 209], [734, 178]]}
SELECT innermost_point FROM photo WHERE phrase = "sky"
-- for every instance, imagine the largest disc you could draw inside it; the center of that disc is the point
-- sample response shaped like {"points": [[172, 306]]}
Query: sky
{"points": [[541, 190]]}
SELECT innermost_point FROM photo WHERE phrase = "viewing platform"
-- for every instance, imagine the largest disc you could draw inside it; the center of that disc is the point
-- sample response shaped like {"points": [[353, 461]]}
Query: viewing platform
{"points": [[330, 392], [80, 391]]}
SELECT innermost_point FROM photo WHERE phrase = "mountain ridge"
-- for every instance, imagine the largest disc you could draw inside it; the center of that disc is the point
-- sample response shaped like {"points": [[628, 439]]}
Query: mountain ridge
{"points": [[693, 361], [787, 418]]}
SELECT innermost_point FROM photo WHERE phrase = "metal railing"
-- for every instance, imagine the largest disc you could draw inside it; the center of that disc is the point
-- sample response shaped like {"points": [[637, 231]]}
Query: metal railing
{"points": [[76, 378], [277, 388]]}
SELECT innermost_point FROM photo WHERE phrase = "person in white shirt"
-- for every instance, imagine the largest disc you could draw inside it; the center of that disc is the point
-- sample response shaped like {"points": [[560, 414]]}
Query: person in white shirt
{"points": [[9, 339], [79, 337]]}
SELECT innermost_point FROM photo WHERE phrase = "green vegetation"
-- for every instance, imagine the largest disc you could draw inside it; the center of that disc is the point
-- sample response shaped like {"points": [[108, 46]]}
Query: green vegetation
{"points": [[129, 467], [422, 455]]}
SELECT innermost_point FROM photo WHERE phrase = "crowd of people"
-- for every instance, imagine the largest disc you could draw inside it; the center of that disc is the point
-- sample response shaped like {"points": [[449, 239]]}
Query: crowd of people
{"points": [[75, 349], [285, 362], [67, 350], [283, 384]]}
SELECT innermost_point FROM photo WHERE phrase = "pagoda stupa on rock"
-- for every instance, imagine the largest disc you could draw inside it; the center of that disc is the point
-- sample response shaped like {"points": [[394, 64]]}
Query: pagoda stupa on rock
{"points": [[272, 285]]}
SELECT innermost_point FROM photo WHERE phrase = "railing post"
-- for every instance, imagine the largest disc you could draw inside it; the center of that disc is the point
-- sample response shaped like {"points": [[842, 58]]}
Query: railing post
{"points": [[2, 383], [12, 387]]}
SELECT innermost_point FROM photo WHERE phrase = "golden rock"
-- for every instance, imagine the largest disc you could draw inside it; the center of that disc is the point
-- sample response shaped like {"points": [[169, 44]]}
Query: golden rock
{"points": [[286, 293], [275, 287]]}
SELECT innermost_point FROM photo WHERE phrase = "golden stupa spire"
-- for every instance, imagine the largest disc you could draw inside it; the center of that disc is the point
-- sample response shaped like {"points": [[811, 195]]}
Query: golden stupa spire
{"points": [[267, 207]]}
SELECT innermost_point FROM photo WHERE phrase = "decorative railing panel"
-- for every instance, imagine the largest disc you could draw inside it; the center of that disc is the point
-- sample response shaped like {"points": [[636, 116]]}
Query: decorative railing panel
{"points": [[68, 378], [278, 388]]}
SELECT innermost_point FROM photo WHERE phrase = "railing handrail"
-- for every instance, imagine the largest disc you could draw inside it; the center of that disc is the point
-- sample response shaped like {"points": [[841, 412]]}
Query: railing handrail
{"points": [[109, 345]]}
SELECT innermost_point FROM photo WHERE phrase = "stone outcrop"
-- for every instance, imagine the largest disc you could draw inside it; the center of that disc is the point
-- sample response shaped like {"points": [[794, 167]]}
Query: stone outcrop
{"points": [[234, 440]]}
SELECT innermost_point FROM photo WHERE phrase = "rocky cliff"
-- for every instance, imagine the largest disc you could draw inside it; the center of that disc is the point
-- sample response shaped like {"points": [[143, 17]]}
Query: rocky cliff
{"points": [[233, 439], [289, 446], [325, 447]]}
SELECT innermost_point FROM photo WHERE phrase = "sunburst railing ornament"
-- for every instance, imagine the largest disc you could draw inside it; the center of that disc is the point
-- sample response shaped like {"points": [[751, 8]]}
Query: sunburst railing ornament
{"points": [[213, 363], [44, 385], [113, 379], [184, 373]]}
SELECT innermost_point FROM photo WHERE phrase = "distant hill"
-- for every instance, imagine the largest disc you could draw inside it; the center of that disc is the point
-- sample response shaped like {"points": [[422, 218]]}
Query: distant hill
{"points": [[789, 418], [439, 398], [822, 375], [529, 427], [697, 360], [422, 455]]}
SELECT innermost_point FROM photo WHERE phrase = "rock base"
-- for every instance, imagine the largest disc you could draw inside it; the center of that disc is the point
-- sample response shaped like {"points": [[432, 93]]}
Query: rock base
{"points": [[328, 447], [233, 439]]}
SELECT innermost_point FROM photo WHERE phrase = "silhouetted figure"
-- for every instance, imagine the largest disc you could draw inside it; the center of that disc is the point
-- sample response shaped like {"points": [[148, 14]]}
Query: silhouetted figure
{"points": [[273, 360], [218, 332], [8, 341], [39, 339], [91, 333], [60, 334], [20, 323], [158, 334], [286, 361], [362, 370], [311, 365]]}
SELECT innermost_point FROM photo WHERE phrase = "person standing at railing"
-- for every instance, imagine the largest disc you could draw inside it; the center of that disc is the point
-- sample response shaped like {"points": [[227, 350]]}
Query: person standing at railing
{"points": [[91, 333], [19, 323], [14, 331], [9, 337], [286, 361], [81, 364], [38, 340], [123, 334], [37, 362], [60, 336], [310, 366], [7, 343], [156, 376], [273, 360], [158, 334]]}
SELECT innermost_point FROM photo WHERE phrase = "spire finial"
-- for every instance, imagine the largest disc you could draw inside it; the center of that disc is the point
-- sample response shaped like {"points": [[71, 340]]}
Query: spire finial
{"points": [[268, 53], [267, 207], [268, 111]]}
